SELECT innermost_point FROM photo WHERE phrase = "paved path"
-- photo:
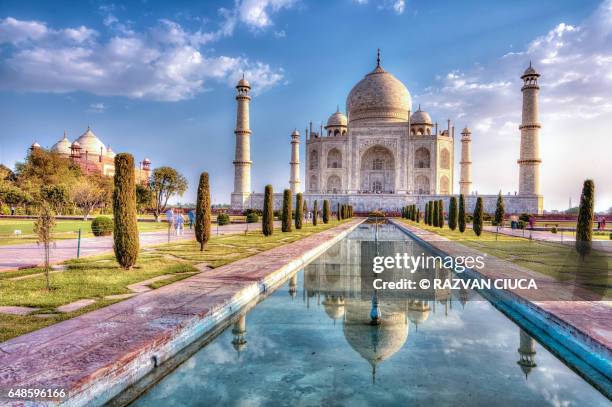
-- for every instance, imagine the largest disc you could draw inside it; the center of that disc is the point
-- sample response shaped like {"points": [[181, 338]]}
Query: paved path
{"points": [[118, 344], [20, 256], [567, 301], [603, 245]]}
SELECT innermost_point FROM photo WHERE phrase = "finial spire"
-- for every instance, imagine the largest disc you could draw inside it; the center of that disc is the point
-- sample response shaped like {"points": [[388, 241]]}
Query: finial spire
{"points": [[530, 63], [337, 108], [378, 58], [419, 109]]}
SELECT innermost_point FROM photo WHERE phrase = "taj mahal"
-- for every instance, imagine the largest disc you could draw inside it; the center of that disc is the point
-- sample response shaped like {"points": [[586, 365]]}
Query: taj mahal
{"points": [[383, 155]]}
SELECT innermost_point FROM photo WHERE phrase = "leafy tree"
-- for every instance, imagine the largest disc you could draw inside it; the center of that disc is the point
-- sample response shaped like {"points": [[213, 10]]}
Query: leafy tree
{"points": [[55, 195], [124, 209], [477, 219], [166, 182], [43, 167], [286, 217], [435, 216], [267, 223], [299, 207], [144, 197], [461, 213], [315, 212], [43, 227], [325, 211], [499, 210], [441, 213], [6, 174], [11, 194], [203, 211], [452, 213], [87, 197], [584, 226]]}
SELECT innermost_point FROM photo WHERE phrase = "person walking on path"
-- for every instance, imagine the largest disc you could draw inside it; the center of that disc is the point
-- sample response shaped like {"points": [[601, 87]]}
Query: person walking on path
{"points": [[191, 215], [178, 224], [170, 220]]}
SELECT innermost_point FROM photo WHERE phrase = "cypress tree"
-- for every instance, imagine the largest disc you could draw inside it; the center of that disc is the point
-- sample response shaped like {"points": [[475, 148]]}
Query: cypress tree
{"points": [[432, 213], [305, 207], [414, 212], [325, 211], [125, 236], [461, 213], [299, 207], [435, 216], [286, 216], [441, 213], [584, 226], [426, 220], [418, 215], [499, 210], [315, 212], [338, 215], [477, 222], [202, 222], [403, 212], [267, 220], [452, 213]]}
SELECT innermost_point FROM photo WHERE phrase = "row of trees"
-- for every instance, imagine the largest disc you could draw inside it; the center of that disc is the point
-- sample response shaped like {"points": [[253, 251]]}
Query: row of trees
{"points": [[411, 212], [48, 178]]}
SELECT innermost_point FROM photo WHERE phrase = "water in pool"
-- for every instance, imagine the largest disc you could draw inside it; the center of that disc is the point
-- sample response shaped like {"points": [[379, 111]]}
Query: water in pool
{"points": [[311, 343]]}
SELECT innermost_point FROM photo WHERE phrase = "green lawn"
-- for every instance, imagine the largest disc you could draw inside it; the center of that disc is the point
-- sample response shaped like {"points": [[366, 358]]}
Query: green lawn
{"points": [[64, 229], [560, 261], [98, 276]]}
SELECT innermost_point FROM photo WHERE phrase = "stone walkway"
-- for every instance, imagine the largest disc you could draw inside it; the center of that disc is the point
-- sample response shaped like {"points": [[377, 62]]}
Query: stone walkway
{"points": [[603, 245], [97, 355], [27, 255], [575, 306]]}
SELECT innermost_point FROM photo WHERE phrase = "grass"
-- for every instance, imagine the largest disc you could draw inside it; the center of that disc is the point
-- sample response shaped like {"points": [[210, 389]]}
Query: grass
{"points": [[99, 276], [64, 229], [557, 260]]}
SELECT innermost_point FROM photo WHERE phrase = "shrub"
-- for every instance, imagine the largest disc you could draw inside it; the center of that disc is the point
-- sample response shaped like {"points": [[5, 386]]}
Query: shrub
{"points": [[202, 222], [584, 227], [452, 213], [126, 243], [521, 224], [315, 212], [286, 216], [553, 229], [299, 208], [325, 211], [524, 217], [267, 222], [223, 219], [461, 219], [102, 226], [376, 214], [477, 223], [252, 217]]}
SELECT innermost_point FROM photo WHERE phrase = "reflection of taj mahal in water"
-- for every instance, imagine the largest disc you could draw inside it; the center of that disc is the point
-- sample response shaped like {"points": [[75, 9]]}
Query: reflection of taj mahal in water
{"points": [[384, 155], [344, 290]]}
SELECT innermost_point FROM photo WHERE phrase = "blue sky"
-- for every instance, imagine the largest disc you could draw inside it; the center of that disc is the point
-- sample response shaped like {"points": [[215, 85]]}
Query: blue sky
{"points": [[156, 79]]}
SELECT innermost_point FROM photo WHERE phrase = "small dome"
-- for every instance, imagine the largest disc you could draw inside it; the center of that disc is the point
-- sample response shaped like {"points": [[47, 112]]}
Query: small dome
{"points": [[91, 143], [109, 152], [337, 119], [62, 146], [243, 83], [35, 145], [466, 131], [295, 133], [146, 160], [75, 144], [530, 71], [420, 117], [379, 96]]}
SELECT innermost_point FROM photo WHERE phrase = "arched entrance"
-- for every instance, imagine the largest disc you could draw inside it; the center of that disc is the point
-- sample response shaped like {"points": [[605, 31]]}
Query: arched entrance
{"points": [[377, 172]]}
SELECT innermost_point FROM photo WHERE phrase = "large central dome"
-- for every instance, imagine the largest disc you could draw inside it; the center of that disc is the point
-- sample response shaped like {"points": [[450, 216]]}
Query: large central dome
{"points": [[379, 96]]}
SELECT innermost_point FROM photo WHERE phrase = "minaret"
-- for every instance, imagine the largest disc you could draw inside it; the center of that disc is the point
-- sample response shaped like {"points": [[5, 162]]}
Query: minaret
{"points": [[242, 161], [527, 353], [294, 176], [529, 161], [465, 182]]}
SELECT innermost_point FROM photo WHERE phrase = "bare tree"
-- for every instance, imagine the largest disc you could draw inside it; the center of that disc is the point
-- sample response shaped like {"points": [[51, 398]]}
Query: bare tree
{"points": [[87, 197], [43, 227]]}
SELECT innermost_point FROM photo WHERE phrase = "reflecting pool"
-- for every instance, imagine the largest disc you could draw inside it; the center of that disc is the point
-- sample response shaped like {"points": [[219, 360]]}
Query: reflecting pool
{"points": [[312, 342]]}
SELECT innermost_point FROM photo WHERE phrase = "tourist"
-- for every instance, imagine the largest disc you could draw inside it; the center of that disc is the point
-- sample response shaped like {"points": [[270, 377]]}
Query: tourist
{"points": [[191, 215], [178, 224], [170, 219]]}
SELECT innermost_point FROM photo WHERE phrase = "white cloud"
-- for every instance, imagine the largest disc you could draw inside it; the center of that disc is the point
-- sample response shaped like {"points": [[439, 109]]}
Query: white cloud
{"points": [[575, 108], [97, 107], [165, 62], [257, 13]]}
